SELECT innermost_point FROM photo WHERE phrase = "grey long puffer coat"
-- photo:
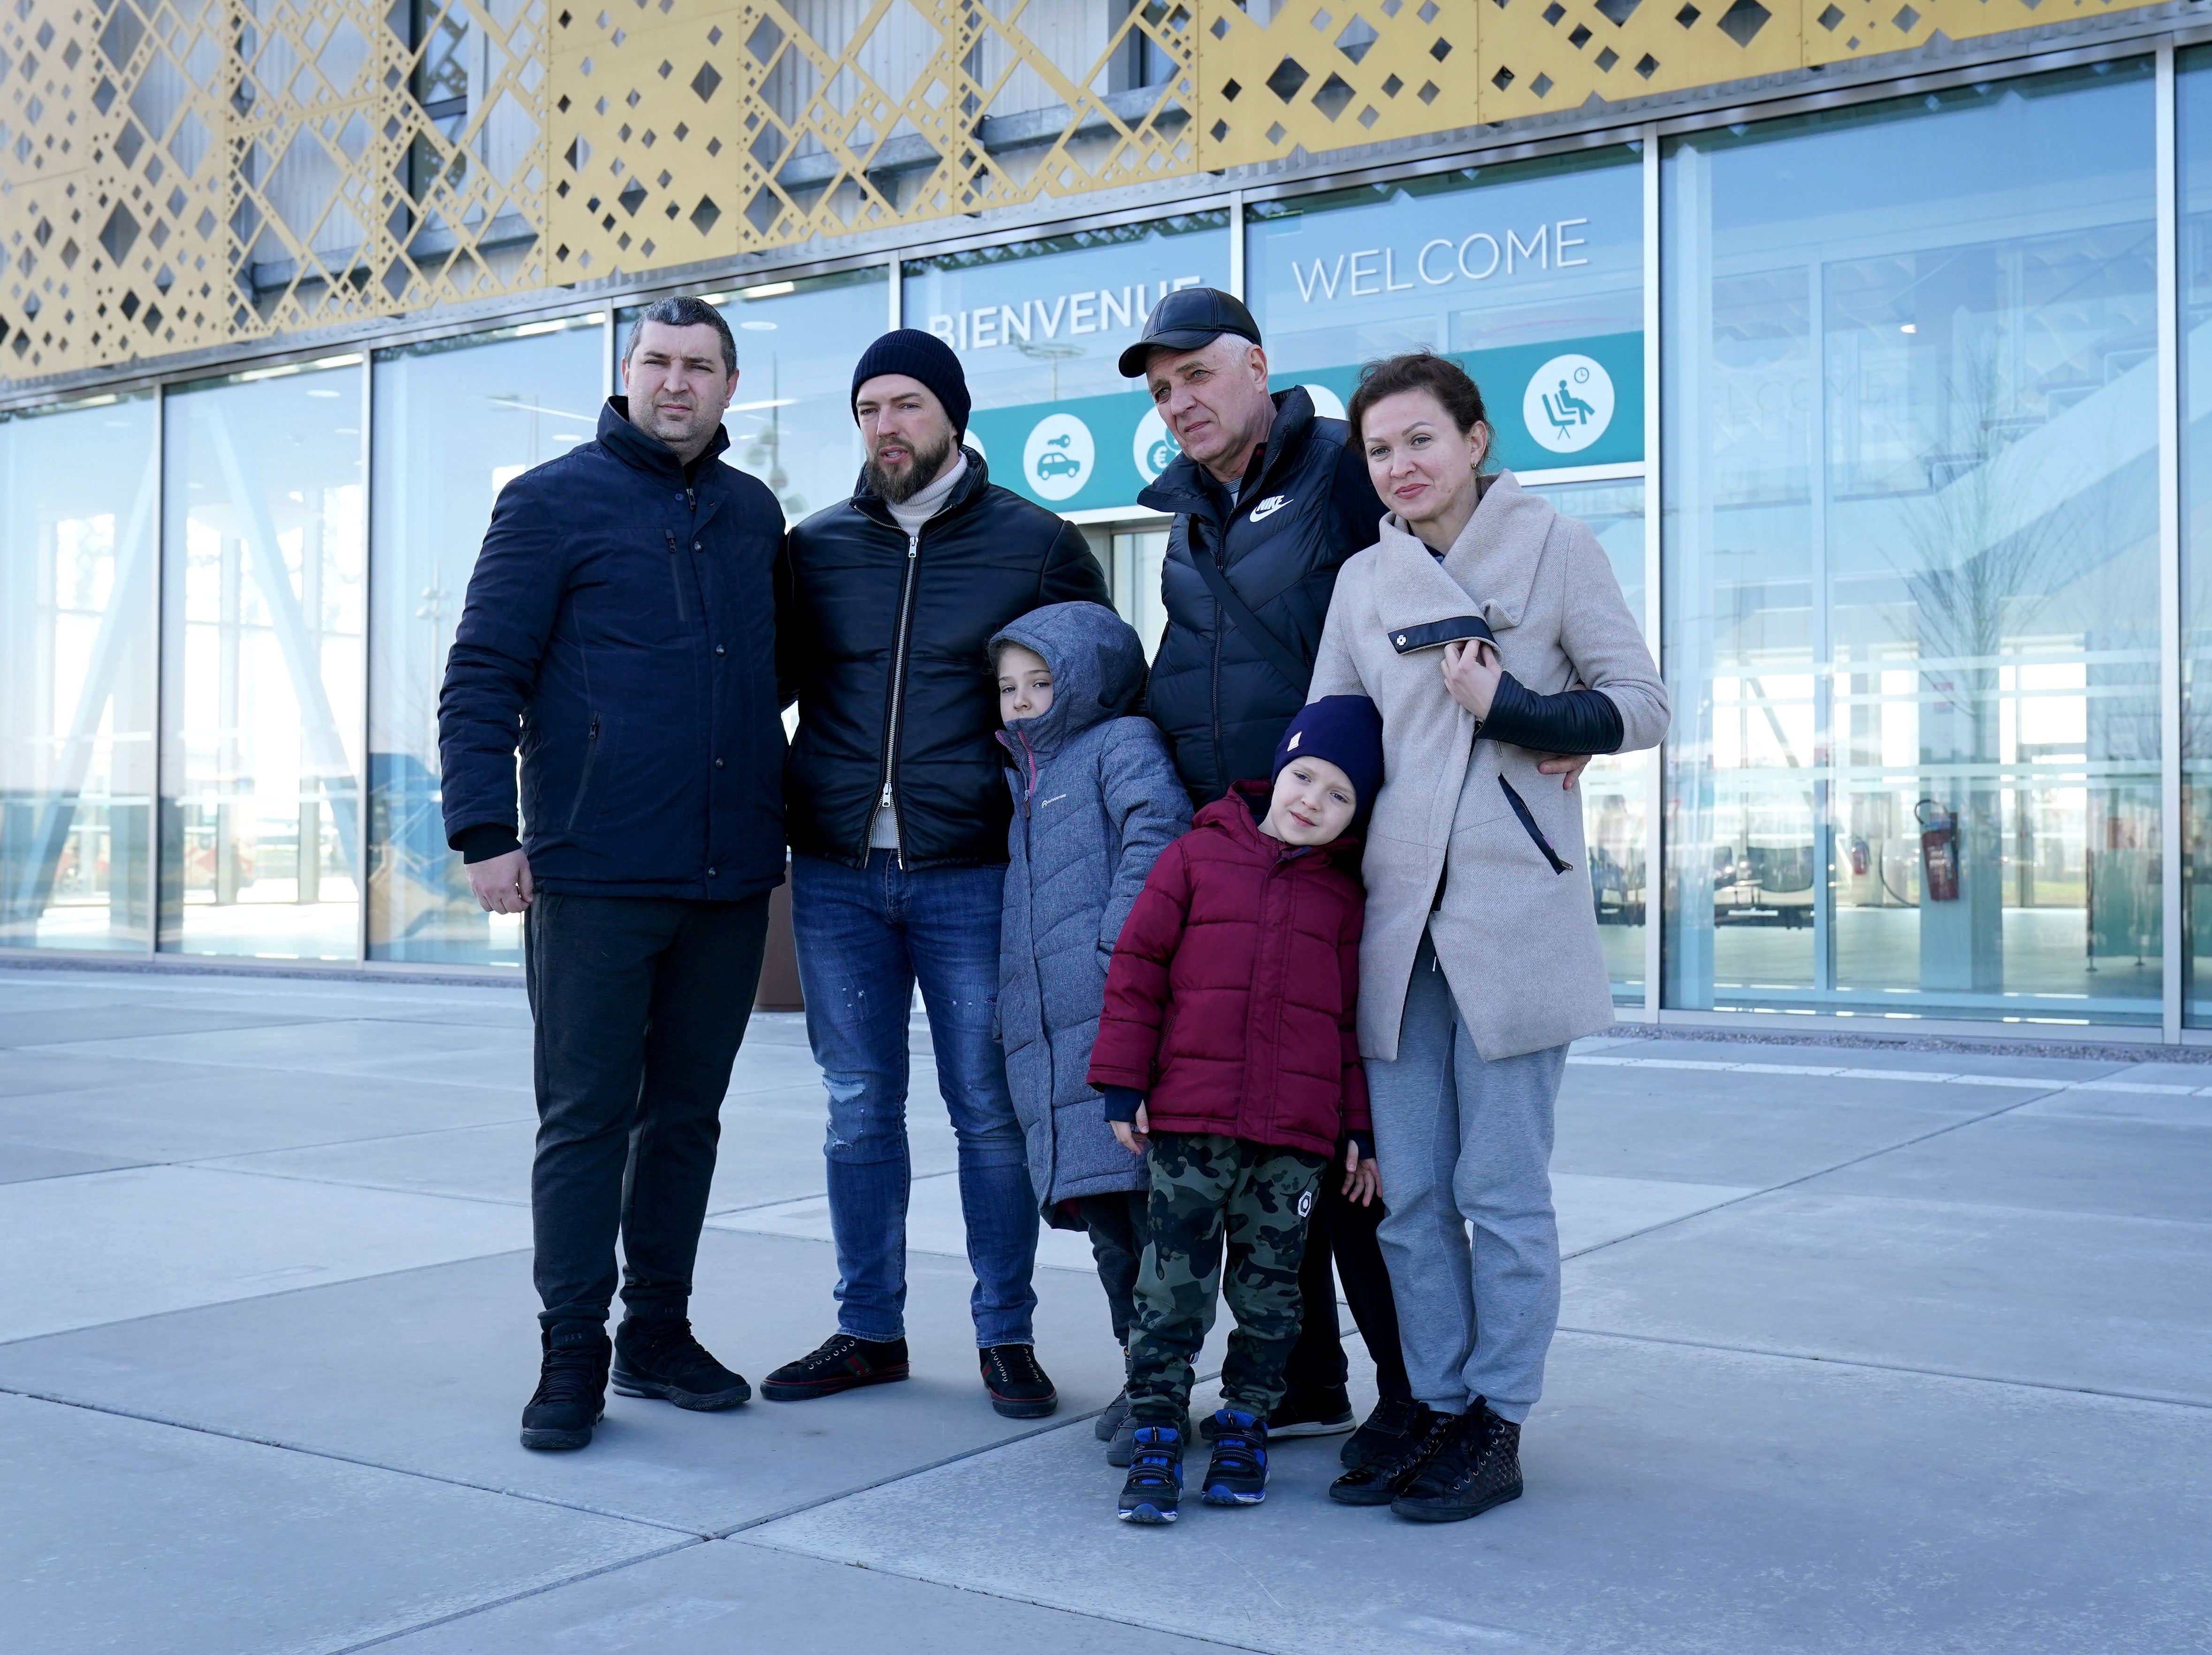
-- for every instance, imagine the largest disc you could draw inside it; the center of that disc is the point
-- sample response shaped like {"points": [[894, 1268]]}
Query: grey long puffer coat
{"points": [[1096, 801]]}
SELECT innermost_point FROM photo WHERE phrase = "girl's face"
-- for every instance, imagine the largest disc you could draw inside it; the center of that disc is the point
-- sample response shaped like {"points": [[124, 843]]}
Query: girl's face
{"points": [[1421, 464], [1025, 684], [1313, 803]]}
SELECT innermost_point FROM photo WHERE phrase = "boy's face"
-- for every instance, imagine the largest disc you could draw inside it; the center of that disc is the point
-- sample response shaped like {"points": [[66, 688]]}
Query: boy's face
{"points": [[1025, 684], [1313, 803]]}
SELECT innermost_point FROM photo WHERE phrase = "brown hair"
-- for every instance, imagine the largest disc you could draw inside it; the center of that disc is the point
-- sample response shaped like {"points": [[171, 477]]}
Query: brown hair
{"points": [[1419, 370]]}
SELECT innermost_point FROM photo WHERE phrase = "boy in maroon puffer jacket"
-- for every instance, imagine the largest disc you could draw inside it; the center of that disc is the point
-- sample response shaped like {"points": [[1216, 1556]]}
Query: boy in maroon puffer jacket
{"points": [[1228, 1045]]}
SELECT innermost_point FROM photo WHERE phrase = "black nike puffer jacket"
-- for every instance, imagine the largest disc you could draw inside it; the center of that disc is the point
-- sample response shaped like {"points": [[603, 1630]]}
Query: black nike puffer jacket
{"points": [[1305, 506], [887, 653]]}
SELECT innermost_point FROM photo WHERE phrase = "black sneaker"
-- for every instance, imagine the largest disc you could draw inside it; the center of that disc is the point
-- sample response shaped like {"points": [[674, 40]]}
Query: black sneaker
{"points": [[1105, 1426], [1392, 1419], [1123, 1448], [1318, 1412], [1380, 1480], [841, 1362], [1238, 1473], [572, 1386], [1019, 1387], [659, 1357], [1478, 1466], [1153, 1492]]}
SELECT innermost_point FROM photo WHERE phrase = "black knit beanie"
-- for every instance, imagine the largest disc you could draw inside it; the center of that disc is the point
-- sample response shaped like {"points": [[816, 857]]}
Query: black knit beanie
{"points": [[919, 355], [1347, 732]]}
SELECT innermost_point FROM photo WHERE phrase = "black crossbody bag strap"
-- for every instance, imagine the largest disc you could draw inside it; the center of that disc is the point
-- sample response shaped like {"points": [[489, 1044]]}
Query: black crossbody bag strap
{"points": [[1294, 673]]}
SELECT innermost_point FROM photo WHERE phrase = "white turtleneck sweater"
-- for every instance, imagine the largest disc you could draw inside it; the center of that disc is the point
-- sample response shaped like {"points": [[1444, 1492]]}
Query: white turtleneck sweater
{"points": [[910, 515]]}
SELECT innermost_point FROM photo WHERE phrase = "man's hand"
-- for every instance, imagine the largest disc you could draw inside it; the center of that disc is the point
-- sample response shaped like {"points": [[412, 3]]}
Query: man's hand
{"points": [[1363, 1180], [501, 884], [1570, 765], [1136, 1139]]}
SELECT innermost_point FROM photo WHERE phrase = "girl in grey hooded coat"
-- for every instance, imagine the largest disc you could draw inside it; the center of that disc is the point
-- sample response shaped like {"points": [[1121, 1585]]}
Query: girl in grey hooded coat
{"points": [[1096, 801]]}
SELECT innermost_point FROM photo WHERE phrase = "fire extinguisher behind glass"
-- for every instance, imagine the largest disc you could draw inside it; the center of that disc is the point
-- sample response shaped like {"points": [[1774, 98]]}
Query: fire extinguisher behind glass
{"points": [[1939, 851]]}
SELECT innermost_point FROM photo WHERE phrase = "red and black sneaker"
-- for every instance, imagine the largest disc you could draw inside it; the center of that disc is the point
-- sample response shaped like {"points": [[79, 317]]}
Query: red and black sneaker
{"points": [[843, 1362], [1018, 1388]]}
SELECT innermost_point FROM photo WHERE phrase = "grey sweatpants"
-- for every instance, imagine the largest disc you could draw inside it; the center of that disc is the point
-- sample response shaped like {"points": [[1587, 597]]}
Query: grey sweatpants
{"points": [[1464, 1143]]}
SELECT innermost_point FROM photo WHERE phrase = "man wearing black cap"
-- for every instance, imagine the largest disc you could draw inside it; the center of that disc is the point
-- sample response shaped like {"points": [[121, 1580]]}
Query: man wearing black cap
{"points": [[897, 812], [1270, 498]]}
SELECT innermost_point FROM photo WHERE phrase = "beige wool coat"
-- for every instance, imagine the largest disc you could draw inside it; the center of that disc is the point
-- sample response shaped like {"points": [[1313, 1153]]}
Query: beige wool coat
{"points": [[1516, 939]]}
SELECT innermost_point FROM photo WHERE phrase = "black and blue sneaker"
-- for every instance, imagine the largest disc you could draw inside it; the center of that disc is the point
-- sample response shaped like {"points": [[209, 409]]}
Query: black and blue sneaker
{"points": [[1154, 1490], [1238, 1473]]}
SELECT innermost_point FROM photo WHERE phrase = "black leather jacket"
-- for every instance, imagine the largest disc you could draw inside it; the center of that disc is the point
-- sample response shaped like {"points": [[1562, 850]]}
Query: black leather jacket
{"points": [[1305, 506], [884, 646]]}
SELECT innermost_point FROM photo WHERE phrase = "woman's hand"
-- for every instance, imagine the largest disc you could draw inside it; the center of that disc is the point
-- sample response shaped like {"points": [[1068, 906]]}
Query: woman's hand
{"points": [[1135, 1139], [1471, 670], [1363, 1180]]}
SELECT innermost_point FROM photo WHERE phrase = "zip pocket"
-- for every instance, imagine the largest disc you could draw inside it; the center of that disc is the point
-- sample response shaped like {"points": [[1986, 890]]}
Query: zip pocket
{"points": [[1521, 809], [584, 782]]}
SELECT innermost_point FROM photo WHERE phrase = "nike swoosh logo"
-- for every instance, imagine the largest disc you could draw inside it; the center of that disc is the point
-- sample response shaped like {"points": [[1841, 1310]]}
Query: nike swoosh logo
{"points": [[1055, 800], [1269, 507]]}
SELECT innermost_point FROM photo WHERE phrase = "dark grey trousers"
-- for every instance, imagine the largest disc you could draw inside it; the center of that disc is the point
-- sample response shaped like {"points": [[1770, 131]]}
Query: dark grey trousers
{"points": [[640, 1004]]}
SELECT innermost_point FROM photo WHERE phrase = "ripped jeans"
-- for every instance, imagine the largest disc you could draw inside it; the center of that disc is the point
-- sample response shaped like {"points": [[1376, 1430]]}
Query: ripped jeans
{"points": [[865, 937]]}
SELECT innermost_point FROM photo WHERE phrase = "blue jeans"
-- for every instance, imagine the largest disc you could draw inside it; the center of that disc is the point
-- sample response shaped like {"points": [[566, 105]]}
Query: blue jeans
{"points": [[865, 937]]}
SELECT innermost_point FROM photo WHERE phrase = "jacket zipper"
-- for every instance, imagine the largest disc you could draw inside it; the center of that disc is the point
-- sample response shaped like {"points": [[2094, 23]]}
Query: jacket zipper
{"points": [[1221, 624], [584, 782], [1559, 865], [885, 800]]}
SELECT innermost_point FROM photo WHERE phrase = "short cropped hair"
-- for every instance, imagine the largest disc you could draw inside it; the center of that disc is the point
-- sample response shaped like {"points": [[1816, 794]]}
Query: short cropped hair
{"points": [[1419, 370], [684, 311]]}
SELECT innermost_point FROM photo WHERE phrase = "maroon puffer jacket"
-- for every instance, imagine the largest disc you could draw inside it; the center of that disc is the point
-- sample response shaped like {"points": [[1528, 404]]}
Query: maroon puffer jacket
{"points": [[1232, 1002]]}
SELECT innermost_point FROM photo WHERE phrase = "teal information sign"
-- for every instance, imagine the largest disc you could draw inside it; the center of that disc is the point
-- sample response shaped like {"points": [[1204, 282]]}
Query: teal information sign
{"points": [[1560, 403]]}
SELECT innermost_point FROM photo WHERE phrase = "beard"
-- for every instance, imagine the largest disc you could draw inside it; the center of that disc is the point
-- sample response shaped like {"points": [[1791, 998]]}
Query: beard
{"points": [[897, 487]]}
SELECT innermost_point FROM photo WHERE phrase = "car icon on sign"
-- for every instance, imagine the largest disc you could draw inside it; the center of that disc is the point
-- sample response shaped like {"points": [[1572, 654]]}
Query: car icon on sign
{"points": [[1056, 461]]}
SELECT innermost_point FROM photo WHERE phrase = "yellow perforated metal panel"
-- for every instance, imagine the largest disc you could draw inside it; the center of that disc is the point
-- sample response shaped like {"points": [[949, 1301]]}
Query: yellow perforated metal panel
{"points": [[1835, 30], [224, 172], [1321, 77], [687, 129], [1550, 55], [186, 173]]}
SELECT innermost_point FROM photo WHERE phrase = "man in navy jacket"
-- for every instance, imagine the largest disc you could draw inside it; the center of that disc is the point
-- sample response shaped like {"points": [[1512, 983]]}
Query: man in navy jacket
{"points": [[621, 629]]}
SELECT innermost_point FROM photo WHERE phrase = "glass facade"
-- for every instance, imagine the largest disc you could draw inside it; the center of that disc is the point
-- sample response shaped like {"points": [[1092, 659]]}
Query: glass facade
{"points": [[791, 423], [263, 613], [1530, 274], [78, 493], [1911, 556], [456, 419], [1616, 787], [2193, 121], [1895, 513], [1039, 326]]}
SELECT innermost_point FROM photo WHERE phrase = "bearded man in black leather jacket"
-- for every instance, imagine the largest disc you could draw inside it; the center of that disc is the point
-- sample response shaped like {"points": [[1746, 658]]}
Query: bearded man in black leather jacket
{"points": [[897, 812]]}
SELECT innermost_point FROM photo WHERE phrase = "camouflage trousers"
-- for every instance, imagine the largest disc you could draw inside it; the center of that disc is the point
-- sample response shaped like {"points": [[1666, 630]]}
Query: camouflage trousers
{"points": [[1209, 1190]]}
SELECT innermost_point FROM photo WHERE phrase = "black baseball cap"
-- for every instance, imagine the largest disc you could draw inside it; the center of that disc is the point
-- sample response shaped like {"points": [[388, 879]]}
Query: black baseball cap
{"points": [[1184, 320]]}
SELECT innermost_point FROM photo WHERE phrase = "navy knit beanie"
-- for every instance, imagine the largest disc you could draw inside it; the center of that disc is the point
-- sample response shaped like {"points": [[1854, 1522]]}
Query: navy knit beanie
{"points": [[1347, 732], [919, 355]]}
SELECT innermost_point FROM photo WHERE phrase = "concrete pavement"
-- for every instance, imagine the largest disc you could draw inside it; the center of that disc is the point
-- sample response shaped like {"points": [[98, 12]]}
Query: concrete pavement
{"points": [[1865, 1350]]}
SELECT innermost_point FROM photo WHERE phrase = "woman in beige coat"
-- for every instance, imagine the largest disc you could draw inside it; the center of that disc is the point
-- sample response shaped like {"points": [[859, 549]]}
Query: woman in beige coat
{"points": [[1490, 631]]}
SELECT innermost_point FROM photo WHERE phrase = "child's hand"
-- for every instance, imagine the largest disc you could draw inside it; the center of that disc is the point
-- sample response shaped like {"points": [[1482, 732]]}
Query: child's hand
{"points": [[1135, 1139], [1363, 1179]]}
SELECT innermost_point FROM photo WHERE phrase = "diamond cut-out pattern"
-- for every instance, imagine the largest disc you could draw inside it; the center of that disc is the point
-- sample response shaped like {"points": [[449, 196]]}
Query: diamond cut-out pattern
{"points": [[272, 171], [264, 167], [814, 120]]}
